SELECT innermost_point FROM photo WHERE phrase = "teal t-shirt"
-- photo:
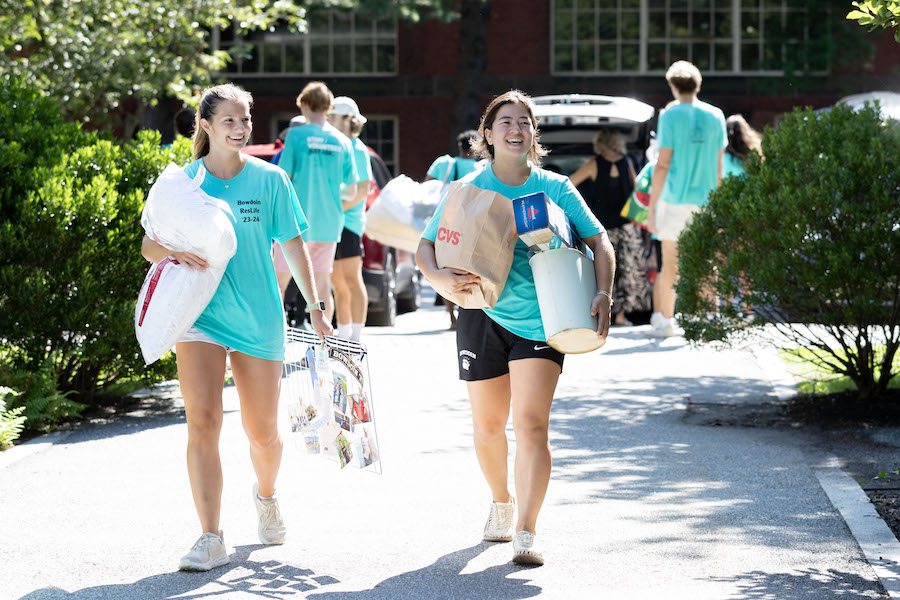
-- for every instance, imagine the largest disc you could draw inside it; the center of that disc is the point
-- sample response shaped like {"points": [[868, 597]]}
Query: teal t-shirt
{"points": [[442, 165], [318, 161], [732, 165], [355, 218], [517, 307], [246, 312], [695, 133]]}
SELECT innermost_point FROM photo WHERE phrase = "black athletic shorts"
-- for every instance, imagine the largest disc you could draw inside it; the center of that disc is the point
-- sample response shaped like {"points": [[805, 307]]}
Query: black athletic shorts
{"points": [[349, 246], [484, 348]]}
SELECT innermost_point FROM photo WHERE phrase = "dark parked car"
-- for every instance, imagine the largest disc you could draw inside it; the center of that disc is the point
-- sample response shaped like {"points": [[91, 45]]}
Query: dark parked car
{"points": [[392, 281]]}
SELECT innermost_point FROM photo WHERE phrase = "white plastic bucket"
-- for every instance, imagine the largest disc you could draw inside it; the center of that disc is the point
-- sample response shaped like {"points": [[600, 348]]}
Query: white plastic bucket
{"points": [[566, 285]]}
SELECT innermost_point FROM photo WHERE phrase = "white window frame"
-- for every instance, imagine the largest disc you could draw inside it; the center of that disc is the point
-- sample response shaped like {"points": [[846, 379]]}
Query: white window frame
{"points": [[307, 40], [735, 39]]}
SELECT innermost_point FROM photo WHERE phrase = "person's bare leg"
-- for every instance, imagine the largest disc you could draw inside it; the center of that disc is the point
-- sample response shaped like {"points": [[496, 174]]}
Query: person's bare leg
{"points": [[664, 286], [533, 382], [343, 296], [258, 383], [359, 298], [201, 375], [490, 412]]}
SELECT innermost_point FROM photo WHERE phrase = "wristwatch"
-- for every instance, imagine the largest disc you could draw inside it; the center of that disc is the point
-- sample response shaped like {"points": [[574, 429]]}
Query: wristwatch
{"points": [[320, 305]]}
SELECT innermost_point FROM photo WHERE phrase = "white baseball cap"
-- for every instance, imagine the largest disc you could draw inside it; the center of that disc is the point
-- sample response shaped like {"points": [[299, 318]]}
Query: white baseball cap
{"points": [[344, 105], [298, 120]]}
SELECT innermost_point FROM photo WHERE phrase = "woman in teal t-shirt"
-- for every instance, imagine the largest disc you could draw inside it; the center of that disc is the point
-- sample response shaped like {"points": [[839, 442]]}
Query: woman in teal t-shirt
{"points": [[742, 140], [244, 319], [503, 354]]}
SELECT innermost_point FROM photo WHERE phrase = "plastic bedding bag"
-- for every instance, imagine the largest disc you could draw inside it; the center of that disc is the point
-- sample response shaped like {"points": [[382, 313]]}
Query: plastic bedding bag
{"points": [[181, 216], [402, 211]]}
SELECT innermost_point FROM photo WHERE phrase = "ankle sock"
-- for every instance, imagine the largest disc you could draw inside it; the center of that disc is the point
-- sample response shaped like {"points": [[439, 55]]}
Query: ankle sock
{"points": [[355, 331]]}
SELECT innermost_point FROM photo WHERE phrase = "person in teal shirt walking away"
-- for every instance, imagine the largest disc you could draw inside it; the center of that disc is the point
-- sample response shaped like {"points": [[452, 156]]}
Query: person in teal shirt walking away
{"points": [[692, 139], [319, 160], [503, 354], [350, 297], [244, 319]]}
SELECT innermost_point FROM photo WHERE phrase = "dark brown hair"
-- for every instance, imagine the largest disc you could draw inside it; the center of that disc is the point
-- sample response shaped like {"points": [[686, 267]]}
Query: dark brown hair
{"points": [[210, 100], [485, 150], [742, 139]]}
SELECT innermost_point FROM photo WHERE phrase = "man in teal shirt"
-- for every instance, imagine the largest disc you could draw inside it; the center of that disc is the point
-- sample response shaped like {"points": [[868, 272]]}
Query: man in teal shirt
{"points": [[692, 139], [319, 159]]}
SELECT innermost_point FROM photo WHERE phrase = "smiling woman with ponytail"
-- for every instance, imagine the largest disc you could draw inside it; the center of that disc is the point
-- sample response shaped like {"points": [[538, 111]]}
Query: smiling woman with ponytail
{"points": [[244, 319]]}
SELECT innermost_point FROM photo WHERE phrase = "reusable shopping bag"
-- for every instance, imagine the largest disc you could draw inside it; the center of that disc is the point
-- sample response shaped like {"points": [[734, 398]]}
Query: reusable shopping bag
{"points": [[476, 233], [181, 217]]}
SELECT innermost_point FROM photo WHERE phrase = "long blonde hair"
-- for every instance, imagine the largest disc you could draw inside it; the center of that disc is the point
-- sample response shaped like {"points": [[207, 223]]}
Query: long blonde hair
{"points": [[209, 104]]}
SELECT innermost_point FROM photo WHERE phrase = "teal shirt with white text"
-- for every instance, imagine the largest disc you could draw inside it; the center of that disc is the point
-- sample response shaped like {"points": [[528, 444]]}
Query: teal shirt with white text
{"points": [[318, 160]]}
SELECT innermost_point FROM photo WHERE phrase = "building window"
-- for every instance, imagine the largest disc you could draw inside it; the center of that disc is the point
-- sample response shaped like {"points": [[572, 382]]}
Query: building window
{"points": [[380, 134], [338, 42], [646, 36]]}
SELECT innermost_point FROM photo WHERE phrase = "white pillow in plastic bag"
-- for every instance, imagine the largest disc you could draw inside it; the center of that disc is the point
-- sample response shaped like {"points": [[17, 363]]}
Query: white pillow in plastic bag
{"points": [[181, 217], [402, 210]]}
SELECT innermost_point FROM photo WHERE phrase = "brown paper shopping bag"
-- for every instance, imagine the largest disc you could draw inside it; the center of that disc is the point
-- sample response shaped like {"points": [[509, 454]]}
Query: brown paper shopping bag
{"points": [[477, 233]]}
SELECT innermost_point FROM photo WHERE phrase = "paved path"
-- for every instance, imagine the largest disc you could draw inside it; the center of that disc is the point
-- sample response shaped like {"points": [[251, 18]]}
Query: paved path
{"points": [[643, 503]]}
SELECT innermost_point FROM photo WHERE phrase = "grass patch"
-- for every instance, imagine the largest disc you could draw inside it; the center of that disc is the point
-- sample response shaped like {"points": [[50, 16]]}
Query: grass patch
{"points": [[813, 379]]}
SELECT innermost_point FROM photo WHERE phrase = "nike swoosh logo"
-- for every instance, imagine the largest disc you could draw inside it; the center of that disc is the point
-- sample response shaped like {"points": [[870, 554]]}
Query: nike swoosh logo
{"points": [[541, 347]]}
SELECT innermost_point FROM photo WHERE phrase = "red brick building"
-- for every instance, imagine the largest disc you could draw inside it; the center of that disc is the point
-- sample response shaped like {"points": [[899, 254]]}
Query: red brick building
{"points": [[405, 79]]}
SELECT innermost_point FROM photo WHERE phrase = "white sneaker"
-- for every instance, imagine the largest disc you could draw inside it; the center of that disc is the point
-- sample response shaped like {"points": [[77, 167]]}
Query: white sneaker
{"points": [[663, 328], [499, 526], [208, 553], [524, 552], [271, 526]]}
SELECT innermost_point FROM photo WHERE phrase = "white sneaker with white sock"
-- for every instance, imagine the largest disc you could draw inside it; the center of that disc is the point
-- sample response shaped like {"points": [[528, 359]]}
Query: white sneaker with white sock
{"points": [[271, 527], [662, 327], [209, 552]]}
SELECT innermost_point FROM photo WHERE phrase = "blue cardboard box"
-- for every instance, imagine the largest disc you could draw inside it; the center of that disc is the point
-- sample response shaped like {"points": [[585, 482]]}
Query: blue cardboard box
{"points": [[542, 224]]}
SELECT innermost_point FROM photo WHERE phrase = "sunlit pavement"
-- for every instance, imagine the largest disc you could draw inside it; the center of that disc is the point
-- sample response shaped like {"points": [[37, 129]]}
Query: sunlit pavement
{"points": [[641, 504]]}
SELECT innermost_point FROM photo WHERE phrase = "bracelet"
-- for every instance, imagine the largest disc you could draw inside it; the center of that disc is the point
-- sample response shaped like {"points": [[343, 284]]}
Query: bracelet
{"points": [[607, 294]]}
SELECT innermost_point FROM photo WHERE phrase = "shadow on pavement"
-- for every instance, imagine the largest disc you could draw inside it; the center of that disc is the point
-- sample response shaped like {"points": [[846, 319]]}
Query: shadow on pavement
{"points": [[444, 580], [270, 579], [802, 585]]}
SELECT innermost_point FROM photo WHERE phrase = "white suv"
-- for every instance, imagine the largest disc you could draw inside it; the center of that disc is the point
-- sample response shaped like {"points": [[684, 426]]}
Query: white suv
{"points": [[568, 123]]}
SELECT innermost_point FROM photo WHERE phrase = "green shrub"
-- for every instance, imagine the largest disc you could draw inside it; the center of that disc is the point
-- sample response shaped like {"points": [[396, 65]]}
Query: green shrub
{"points": [[32, 135], [70, 263], [812, 235], [11, 421]]}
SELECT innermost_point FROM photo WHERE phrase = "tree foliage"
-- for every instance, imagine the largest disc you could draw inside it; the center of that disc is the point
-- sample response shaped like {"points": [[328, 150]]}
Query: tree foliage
{"points": [[877, 14], [105, 60], [809, 238]]}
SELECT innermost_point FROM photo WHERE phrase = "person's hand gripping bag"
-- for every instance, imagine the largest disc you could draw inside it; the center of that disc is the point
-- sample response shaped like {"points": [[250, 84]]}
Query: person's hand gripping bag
{"points": [[181, 217], [476, 233]]}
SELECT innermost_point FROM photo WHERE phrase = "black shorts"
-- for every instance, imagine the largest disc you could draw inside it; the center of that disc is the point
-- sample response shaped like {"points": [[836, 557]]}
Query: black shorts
{"points": [[349, 246], [485, 349]]}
